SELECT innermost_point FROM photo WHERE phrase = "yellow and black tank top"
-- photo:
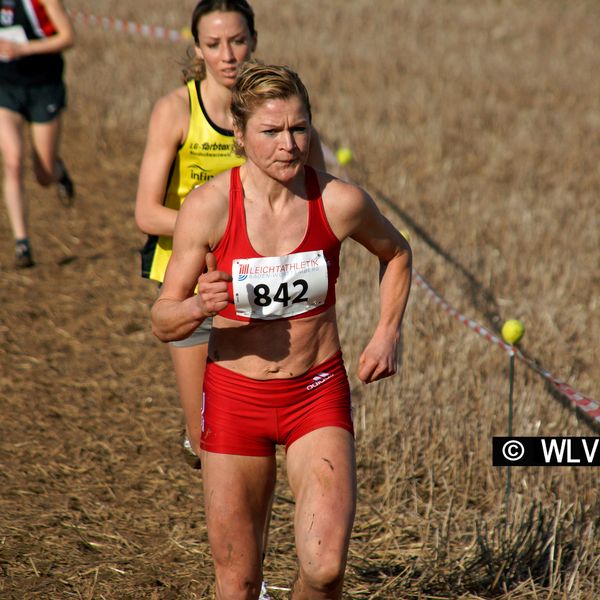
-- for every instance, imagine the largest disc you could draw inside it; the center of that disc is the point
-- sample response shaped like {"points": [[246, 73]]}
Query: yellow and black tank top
{"points": [[206, 152]]}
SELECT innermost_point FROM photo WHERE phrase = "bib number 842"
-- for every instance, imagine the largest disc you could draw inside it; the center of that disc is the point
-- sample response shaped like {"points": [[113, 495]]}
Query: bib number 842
{"points": [[263, 297]]}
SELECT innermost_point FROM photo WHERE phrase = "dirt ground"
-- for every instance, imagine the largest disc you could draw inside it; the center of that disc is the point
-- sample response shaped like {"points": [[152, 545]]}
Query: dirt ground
{"points": [[476, 127]]}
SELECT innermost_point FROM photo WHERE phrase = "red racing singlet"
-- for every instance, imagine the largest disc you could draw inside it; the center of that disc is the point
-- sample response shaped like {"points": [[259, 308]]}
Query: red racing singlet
{"points": [[297, 285]]}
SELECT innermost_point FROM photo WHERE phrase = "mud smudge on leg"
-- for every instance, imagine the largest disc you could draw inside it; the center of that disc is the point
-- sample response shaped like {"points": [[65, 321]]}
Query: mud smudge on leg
{"points": [[329, 463]]}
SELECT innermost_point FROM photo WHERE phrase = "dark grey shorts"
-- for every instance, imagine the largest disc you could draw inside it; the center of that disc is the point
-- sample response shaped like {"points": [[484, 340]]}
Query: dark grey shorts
{"points": [[37, 103]]}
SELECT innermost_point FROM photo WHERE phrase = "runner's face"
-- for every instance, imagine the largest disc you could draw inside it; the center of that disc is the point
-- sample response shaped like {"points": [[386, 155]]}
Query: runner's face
{"points": [[225, 43], [277, 137]]}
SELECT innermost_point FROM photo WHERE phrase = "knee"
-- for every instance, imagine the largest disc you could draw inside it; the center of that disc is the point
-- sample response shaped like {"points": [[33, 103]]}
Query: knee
{"points": [[324, 576], [238, 573], [237, 586], [13, 169]]}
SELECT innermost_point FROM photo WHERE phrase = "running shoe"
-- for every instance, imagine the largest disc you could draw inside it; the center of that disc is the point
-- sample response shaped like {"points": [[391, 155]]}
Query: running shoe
{"points": [[23, 257], [191, 458], [264, 595], [65, 187]]}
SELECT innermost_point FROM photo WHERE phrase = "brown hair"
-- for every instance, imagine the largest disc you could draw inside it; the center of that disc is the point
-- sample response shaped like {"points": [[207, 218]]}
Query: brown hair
{"points": [[195, 68], [256, 83]]}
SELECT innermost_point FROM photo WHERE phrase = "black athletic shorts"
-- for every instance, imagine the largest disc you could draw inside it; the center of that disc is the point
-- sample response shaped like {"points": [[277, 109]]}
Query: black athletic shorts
{"points": [[37, 103]]}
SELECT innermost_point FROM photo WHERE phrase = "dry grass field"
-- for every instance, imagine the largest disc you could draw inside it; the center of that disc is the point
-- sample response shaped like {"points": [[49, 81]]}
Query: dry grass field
{"points": [[475, 124]]}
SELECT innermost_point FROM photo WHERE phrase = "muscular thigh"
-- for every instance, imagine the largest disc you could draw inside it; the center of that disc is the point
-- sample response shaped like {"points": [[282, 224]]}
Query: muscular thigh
{"points": [[11, 136], [237, 497], [321, 470], [44, 138]]}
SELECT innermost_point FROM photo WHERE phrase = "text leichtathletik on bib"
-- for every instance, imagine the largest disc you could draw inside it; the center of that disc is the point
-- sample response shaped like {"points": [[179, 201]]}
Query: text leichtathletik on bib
{"points": [[277, 287]]}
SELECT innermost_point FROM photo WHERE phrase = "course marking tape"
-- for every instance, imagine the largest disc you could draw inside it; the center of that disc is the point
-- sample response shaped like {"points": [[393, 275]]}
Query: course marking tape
{"points": [[156, 32], [590, 407]]}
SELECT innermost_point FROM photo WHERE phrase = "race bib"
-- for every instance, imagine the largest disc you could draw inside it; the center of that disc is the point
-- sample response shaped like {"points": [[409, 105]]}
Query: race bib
{"points": [[275, 287]]}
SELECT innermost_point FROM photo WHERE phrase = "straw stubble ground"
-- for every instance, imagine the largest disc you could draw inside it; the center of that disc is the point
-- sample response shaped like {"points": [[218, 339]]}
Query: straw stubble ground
{"points": [[476, 126]]}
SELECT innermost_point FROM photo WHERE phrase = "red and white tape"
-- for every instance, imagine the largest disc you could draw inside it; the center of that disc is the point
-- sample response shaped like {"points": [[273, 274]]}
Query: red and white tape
{"points": [[156, 32], [587, 405]]}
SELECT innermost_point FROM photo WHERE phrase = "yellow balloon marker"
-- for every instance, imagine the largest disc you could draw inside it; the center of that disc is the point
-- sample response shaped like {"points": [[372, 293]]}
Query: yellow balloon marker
{"points": [[512, 331], [343, 155]]}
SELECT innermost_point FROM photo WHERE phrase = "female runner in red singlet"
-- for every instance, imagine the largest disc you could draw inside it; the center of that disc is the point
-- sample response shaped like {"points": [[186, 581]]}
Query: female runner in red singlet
{"points": [[269, 233]]}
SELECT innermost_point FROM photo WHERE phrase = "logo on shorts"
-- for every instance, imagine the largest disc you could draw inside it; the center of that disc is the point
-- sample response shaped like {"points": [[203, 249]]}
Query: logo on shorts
{"points": [[51, 108], [318, 380], [7, 15]]}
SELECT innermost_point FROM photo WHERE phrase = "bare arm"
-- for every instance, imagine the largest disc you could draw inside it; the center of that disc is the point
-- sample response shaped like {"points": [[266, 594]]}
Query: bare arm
{"points": [[63, 39], [360, 219], [166, 132], [379, 358], [178, 311]]}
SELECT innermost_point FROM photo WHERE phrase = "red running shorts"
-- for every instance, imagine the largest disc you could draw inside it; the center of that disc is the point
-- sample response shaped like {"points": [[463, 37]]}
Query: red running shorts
{"points": [[249, 417]]}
